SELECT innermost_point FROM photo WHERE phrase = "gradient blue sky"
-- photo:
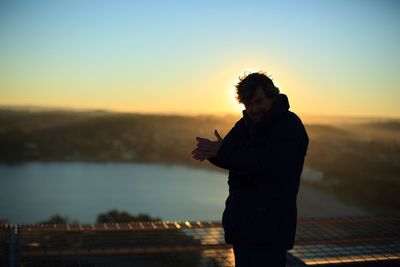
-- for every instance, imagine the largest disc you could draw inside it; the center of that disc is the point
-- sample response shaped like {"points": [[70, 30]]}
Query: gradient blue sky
{"points": [[329, 57]]}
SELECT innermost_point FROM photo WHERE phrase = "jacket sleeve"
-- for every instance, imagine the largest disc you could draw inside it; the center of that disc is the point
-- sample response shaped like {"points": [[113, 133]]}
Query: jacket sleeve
{"points": [[217, 162], [230, 140], [280, 157]]}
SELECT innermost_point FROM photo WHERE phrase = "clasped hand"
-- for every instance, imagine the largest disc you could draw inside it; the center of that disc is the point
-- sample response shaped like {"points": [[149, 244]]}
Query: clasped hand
{"points": [[207, 148]]}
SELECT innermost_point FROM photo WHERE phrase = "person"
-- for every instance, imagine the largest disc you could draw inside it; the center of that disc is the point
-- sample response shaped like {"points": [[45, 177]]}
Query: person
{"points": [[264, 153]]}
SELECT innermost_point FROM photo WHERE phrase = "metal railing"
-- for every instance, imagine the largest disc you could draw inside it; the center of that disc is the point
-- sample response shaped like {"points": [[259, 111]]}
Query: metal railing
{"points": [[319, 242]]}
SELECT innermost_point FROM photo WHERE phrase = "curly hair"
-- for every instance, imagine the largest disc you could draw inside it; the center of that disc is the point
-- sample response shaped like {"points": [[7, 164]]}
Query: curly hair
{"points": [[248, 83]]}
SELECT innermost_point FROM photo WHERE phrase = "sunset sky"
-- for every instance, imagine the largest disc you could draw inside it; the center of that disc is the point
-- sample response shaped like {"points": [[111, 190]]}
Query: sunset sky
{"points": [[337, 57]]}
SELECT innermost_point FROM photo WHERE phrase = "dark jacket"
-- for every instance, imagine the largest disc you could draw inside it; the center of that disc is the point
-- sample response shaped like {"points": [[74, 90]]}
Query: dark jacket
{"points": [[265, 161]]}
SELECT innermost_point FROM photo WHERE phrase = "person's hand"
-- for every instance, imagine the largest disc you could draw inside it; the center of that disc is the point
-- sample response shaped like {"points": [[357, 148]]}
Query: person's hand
{"points": [[198, 155], [207, 148]]}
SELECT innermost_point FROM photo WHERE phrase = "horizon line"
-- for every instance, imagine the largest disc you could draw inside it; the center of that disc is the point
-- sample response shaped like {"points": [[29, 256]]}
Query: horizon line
{"points": [[188, 114]]}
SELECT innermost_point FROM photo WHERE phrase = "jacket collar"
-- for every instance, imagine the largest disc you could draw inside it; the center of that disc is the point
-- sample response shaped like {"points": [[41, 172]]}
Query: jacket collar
{"points": [[279, 107]]}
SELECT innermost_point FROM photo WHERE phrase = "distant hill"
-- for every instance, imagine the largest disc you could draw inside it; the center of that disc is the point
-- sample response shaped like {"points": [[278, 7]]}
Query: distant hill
{"points": [[102, 136]]}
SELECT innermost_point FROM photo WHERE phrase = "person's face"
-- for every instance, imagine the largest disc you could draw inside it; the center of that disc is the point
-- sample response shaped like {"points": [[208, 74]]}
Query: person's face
{"points": [[258, 105]]}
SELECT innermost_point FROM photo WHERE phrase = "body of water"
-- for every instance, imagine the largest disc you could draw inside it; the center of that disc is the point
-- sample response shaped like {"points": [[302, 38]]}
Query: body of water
{"points": [[33, 192]]}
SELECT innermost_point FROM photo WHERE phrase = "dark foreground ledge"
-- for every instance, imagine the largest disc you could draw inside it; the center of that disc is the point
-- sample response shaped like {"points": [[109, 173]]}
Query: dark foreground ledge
{"points": [[349, 241]]}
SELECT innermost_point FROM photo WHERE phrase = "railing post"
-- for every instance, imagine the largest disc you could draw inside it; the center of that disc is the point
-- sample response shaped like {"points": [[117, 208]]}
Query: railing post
{"points": [[14, 250]]}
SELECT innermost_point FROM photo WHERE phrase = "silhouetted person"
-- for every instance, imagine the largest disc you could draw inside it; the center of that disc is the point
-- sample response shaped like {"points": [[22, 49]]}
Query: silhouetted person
{"points": [[264, 153]]}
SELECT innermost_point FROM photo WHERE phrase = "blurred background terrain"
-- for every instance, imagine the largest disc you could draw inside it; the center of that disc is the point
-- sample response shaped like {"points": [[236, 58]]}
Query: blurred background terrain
{"points": [[356, 160]]}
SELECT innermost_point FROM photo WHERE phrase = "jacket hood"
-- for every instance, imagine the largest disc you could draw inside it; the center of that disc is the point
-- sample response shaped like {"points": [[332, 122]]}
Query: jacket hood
{"points": [[279, 107]]}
